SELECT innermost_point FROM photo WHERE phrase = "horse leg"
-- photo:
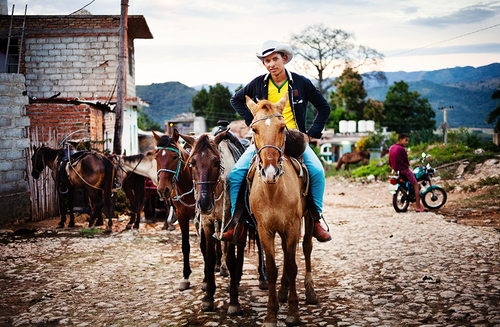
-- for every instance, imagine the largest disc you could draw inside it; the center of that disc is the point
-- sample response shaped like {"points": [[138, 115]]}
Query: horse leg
{"points": [[138, 195], [346, 166], [98, 205], [235, 269], [285, 282], [62, 209], [207, 304], [127, 188], [70, 204], [271, 318], [184, 225], [224, 272], [262, 277], [99, 221], [290, 269], [307, 246]]}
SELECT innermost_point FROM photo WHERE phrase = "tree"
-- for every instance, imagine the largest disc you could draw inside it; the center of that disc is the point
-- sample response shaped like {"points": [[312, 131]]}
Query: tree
{"points": [[496, 112], [146, 123], [348, 100], [406, 111], [214, 104], [326, 51]]}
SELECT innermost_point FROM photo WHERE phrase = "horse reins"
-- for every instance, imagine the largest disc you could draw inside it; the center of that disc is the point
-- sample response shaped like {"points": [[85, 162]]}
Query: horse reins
{"points": [[175, 178]]}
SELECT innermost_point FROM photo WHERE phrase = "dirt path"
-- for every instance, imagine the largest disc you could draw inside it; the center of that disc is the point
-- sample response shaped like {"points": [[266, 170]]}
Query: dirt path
{"points": [[380, 269]]}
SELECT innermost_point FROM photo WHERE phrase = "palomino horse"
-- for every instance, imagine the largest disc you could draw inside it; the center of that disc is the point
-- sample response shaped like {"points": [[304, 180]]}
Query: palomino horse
{"points": [[211, 160], [278, 204], [174, 181], [352, 158], [90, 171]]}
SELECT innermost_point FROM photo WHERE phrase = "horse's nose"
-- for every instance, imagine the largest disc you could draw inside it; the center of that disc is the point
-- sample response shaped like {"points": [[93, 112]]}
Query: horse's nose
{"points": [[270, 174], [205, 204], [163, 193]]}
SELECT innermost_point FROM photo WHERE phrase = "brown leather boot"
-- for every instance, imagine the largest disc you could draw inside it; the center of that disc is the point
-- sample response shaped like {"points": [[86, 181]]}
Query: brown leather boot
{"points": [[235, 235], [320, 233]]}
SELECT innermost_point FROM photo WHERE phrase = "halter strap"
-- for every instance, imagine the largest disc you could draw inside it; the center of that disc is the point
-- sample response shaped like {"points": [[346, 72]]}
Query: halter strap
{"points": [[176, 171], [266, 117]]}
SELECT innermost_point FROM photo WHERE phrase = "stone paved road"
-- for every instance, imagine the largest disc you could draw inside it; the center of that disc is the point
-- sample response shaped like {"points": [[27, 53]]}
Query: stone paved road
{"points": [[380, 269]]}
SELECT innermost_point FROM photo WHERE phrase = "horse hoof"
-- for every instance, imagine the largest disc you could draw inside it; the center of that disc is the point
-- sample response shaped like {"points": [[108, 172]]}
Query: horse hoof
{"points": [[283, 294], [269, 324], [203, 286], [207, 306], [292, 321], [60, 226], [224, 272], [263, 285], [217, 268], [234, 310], [311, 297], [99, 223], [129, 226], [71, 225], [136, 227], [184, 285], [171, 227], [165, 227], [108, 230]]}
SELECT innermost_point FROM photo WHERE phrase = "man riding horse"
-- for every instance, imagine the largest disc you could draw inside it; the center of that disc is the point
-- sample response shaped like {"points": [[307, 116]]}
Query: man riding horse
{"points": [[300, 90]]}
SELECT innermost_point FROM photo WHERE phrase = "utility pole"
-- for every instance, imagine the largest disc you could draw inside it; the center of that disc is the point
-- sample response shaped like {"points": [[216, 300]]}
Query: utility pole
{"points": [[445, 122], [122, 77]]}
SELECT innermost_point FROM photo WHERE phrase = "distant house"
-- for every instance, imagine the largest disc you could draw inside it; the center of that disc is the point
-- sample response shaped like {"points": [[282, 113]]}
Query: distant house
{"points": [[186, 123]]}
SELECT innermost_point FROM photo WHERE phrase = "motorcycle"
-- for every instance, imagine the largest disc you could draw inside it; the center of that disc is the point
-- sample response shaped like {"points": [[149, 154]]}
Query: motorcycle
{"points": [[433, 196]]}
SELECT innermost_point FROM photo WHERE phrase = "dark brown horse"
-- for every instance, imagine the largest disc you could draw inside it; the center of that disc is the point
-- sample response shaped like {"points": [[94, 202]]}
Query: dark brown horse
{"points": [[278, 204], [352, 158], [211, 160], [85, 170]]}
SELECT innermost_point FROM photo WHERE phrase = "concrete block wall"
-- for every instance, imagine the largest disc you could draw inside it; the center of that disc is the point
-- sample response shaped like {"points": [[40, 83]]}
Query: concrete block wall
{"points": [[14, 189]]}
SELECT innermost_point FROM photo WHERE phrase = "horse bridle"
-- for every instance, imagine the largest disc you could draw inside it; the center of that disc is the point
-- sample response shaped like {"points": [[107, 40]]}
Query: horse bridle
{"points": [[280, 151], [176, 171]]}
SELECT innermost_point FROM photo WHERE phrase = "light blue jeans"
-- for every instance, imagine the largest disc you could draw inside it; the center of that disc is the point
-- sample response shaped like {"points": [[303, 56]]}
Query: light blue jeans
{"points": [[312, 162]]}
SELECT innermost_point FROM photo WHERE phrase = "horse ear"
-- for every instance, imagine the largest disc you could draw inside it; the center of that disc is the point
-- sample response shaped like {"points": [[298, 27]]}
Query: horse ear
{"points": [[282, 103], [157, 137], [175, 135], [251, 105], [221, 136], [188, 138]]}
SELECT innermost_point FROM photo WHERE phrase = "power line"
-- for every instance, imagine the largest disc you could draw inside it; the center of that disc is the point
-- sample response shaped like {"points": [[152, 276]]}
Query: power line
{"points": [[453, 38]]}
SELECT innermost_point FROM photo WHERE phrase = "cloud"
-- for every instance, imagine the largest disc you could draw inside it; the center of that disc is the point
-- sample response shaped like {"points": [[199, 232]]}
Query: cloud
{"points": [[457, 49], [468, 15]]}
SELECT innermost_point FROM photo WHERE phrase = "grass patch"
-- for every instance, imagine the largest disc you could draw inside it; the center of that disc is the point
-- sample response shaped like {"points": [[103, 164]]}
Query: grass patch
{"points": [[89, 232], [488, 199], [489, 181]]}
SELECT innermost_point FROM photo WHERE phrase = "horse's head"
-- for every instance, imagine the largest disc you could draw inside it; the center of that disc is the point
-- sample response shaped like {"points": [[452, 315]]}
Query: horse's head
{"points": [[37, 161], [268, 129], [168, 162], [205, 163]]}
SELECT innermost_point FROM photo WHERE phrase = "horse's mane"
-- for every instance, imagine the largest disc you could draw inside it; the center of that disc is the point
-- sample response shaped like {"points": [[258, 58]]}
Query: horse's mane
{"points": [[165, 141], [203, 142], [133, 158]]}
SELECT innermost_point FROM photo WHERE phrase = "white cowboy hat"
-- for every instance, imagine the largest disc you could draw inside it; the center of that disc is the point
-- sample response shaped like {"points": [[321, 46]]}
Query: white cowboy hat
{"points": [[270, 46]]}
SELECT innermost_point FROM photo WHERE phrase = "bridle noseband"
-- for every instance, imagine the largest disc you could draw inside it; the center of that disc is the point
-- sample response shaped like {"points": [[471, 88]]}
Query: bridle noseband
{"points": [[280, 151], [176, 171]]}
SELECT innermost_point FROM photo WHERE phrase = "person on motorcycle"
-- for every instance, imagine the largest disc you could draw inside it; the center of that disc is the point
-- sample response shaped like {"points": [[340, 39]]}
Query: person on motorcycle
{"points": [[398, 160]]}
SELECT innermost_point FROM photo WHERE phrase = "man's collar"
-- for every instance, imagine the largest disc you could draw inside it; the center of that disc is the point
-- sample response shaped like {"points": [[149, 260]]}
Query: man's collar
{"points": [[289, 74]]}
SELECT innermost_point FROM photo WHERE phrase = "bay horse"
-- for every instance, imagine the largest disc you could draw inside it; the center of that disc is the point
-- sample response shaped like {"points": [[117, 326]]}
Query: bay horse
{"points": [[278, 204], [174, 181], [211, 160], [352, 158], [85, 170]]}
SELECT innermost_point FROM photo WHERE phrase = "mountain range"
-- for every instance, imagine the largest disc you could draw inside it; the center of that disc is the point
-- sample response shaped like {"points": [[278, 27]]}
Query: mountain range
{"points": [[467, 90]]}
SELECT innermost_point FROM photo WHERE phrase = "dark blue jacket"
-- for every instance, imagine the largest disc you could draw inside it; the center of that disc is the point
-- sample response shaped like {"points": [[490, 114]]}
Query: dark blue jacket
{"points": [[300, 92]]}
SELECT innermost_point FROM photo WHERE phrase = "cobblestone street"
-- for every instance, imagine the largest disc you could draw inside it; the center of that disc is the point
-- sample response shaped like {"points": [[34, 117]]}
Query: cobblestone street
{"points": [[381, 269]]}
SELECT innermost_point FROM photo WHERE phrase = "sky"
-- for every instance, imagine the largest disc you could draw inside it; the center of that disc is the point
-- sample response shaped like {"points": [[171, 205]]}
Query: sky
{"points": [[214, 41]]}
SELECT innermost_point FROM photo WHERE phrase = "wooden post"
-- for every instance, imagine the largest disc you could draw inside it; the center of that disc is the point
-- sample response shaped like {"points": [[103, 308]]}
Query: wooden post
{"points": [[122, 78]]}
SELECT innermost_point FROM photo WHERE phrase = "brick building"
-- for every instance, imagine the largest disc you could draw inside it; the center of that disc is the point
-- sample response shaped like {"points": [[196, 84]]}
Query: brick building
{"points": [[71, 68], [64, 80]]}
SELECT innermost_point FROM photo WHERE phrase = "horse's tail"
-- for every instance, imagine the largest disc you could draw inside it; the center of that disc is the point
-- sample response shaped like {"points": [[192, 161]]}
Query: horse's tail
{"points": [[109, 174]]}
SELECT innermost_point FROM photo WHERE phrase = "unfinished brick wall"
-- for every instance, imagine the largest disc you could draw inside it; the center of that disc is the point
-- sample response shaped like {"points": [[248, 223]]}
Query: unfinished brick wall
{"points": [[66, 119]]}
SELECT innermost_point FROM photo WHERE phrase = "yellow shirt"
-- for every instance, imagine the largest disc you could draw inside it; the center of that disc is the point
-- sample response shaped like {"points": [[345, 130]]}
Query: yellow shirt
{"points": [[274, 95]]}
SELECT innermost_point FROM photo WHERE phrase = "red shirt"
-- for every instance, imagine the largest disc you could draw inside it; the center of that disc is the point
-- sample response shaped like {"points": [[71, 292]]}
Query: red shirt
{"points": [[398, 158]]}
